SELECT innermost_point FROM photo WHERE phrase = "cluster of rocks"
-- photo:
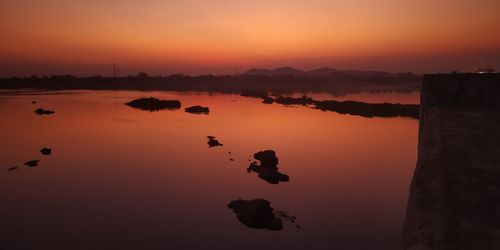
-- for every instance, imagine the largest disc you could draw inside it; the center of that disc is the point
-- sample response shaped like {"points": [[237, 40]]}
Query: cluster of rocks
{"points": [[154, 104], [344, 107], [33, 163]]}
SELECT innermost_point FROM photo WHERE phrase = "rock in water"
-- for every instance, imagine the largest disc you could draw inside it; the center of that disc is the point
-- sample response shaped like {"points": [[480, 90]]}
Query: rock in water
{"points": [[12, 169], [212, 142], [46, 151], [41, 111], [267, 169], [154, 104], [256, 213], [33, 163], [198, 110], [267, 158]]}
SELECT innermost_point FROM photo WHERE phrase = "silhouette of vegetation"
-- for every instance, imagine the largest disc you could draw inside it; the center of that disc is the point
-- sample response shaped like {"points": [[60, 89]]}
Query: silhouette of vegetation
{"points": [[154, 104], [338, 83], [198, 110], [256, 213], [267, 170]]}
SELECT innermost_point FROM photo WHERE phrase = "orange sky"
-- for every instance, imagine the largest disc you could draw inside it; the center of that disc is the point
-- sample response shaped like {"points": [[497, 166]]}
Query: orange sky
{"points": [[214, 36]]}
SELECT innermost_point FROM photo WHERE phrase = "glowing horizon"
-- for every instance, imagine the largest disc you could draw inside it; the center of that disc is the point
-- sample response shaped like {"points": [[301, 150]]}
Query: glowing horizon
{"points": [[197, 37]]}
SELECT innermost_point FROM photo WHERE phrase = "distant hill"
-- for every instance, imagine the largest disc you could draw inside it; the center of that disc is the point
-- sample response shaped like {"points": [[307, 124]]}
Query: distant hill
{"points": [[322, 72], [365, 73], [275, 72]]}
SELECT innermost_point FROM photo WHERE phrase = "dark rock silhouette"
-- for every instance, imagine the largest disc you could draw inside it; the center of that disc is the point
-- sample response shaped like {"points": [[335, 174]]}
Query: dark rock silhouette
{"points": [[41, 111], [267, 170], [304, 100], [198, 110], [212, 142], [33, 102], [33, 163], [256, 213], [369, 109], [46, 151], [154, 104], [231, 159], [12, 169]]}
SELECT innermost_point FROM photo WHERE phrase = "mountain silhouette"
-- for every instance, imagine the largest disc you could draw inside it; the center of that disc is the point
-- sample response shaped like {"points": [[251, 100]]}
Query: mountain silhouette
{"points": [[283, 71], [321, 72]]}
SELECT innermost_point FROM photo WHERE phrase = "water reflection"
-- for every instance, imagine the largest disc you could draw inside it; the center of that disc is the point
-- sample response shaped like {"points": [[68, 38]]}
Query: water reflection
{"points": [[157, 171]]}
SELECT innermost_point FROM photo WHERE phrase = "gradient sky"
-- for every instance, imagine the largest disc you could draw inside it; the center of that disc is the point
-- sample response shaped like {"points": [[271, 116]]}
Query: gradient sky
{"points": [[214, 36]]}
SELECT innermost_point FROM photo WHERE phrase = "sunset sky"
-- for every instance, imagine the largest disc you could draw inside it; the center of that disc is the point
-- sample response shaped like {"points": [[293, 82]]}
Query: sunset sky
{"points": [[47, 37]]}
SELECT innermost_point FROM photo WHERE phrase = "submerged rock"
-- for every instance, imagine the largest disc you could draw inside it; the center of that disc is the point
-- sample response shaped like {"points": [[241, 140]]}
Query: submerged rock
{"points": [[12, 169], [41, 111], [256, 213], [212, 142], [46, 151], [267, 170], [198, 110], [154, 104], [33, 163]]}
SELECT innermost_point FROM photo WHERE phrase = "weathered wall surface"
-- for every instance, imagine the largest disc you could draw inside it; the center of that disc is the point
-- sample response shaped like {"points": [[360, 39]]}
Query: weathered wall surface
{"points": [[454, 199]]}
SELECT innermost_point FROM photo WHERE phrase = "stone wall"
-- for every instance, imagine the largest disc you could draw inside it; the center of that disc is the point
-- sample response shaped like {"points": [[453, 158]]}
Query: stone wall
{"points": [[454, 198]]}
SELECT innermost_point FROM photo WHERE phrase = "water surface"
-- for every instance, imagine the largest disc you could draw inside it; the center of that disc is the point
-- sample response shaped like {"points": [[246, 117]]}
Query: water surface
{"points": [[122, 178]]}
